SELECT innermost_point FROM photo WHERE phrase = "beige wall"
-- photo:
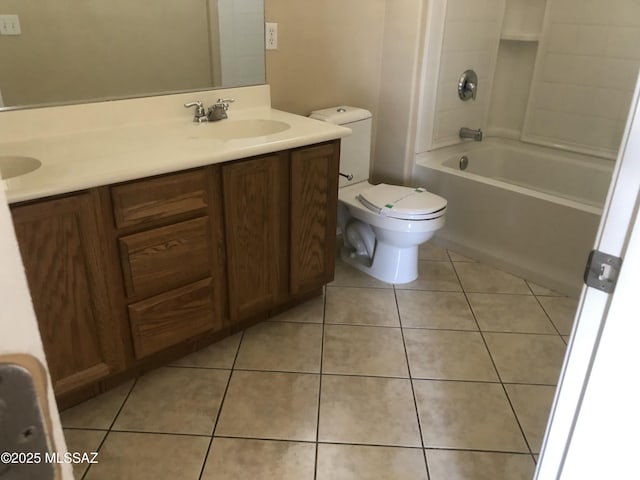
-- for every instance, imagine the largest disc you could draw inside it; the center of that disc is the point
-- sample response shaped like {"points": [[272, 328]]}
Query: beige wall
{"points": [[356, 52], [398, 103], [329, 53]]}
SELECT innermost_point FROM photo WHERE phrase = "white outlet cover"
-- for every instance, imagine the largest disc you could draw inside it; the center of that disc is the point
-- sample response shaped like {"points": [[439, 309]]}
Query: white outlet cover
{"points": [[10, 25], [271, 36]]}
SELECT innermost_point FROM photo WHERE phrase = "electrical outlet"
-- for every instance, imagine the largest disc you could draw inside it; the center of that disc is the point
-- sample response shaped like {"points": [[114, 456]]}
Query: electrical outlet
{"points": [[9, 25], [271, 36]]}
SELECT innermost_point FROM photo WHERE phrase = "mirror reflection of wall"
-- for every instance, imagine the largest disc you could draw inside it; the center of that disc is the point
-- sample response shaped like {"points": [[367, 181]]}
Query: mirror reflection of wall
{"points": [[72, 51]]}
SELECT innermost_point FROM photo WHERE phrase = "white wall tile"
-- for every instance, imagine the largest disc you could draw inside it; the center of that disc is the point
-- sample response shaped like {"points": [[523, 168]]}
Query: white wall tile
{"points": [[623, 42], [561, 38], [524, 16], [479, 10], [587, 63], [470, 41]]}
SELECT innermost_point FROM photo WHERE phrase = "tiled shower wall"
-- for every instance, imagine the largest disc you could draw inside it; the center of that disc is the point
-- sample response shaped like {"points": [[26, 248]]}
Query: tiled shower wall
{"points": [[586, 69], [565, 81], [462, 35]]}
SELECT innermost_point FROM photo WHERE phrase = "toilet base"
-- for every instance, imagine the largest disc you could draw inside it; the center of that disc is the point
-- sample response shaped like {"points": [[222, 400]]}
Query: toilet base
{"points": [[390, 264]]}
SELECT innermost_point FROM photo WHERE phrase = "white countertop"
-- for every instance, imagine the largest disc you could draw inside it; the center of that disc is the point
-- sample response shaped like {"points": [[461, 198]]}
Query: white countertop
{"points": [[77, 160]]}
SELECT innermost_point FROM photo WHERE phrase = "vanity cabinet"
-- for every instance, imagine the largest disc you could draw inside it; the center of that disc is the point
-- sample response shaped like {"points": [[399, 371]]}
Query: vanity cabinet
{"points": [[125, 277], [280, 219], [60, 247], [313, 216], [169, 235], [256, 197]]}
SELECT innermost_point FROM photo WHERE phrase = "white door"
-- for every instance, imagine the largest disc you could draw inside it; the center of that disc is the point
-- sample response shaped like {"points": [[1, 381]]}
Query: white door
{"points": [[20, 339], [595, 417]]}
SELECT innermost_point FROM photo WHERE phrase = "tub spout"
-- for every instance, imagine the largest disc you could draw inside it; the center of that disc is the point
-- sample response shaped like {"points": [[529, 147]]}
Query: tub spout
{"points": [[470, 133]]}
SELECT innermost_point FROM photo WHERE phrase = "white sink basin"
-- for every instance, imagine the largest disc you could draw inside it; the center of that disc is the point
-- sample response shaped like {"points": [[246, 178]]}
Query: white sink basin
{"points": [[13, 166], [230, 129]]}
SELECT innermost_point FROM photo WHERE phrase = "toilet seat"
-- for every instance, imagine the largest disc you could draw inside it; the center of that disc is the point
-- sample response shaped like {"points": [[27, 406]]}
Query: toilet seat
{"points": [[403, 203]]}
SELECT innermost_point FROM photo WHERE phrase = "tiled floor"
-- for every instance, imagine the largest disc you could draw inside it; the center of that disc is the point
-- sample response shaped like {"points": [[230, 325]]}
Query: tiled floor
{"points": [[448, 378]]}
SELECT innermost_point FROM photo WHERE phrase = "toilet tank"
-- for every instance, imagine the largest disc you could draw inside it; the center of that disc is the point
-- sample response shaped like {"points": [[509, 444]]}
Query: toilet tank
{"points": [[355, 150]]}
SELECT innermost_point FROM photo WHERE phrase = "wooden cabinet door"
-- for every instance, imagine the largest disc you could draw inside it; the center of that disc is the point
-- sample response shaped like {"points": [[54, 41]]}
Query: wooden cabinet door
{"points": [[256, 224], [60, 250], [314, 197]]}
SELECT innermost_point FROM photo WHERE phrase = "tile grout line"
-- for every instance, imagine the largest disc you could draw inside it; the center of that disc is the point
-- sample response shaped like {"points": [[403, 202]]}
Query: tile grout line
{"points": [[545, 311], [413, 391], [224, 396], [324, 314], [109, 430], [504, 389]]}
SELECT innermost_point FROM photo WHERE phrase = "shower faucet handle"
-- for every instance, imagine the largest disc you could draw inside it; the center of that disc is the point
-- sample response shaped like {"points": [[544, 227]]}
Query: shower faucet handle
{"points": [[468, 85]]}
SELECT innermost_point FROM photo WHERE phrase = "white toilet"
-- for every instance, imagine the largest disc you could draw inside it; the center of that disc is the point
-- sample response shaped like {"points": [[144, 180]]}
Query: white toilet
{"points": [[382, 225]]}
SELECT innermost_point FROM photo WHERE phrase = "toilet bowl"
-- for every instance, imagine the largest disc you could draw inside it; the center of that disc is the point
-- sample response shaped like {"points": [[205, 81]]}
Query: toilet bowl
{"points": [[381, 240], [382, 225]]}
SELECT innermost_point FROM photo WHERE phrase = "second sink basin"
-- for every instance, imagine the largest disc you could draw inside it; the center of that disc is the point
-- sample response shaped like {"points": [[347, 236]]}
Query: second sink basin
{"points": [[14, 166], [230, 129]]}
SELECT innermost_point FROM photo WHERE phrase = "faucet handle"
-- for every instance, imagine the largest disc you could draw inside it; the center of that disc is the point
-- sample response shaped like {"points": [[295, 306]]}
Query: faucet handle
{"points": [[225, 102], [200, 115], [197, 104]]}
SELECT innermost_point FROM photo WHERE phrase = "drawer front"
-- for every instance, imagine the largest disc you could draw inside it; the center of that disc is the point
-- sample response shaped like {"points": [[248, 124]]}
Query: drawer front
{"points": [[158, 260], [152, 200], [167, 319]]}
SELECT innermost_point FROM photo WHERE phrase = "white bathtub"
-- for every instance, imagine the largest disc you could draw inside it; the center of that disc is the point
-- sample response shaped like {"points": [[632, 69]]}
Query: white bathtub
{"points": [[531, 210]]}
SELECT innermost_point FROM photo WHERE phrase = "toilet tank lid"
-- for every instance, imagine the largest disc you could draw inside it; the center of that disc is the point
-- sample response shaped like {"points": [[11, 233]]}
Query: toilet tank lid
{"points": [[341, 115]]}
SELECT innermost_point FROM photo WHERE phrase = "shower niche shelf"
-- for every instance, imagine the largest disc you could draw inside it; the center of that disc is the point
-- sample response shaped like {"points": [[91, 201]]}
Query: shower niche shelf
{"points": [[519, 37]]}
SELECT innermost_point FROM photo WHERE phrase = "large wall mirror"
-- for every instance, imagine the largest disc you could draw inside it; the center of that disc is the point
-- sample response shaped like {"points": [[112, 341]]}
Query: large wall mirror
{"points": [[72, 51]]}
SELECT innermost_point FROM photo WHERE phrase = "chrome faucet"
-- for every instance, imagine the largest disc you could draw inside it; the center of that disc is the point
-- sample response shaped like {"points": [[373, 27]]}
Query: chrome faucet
{"points": [[200, 115], [471, 133], [219, 109]]}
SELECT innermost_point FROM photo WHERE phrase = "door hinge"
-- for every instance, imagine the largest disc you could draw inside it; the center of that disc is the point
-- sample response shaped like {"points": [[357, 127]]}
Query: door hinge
{"points": [[602, 271]]}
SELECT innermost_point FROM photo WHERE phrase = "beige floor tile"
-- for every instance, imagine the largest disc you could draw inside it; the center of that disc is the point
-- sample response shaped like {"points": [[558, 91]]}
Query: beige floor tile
{"points": [[424, 309], [83, 441], [456, 257], [341, 462], [532, 404], [562, 311], [311, 311], [540, 290], [270, 405], [240, 459], [281, 346], [142, 456], [361, 306], [526, 358], [476, 277], [360, 350], [98, 412], [376, 411], [219, 355], [434, 276], [174, 400], [467, 415], [448, 355], [456, 465], [348, 276], [429, 251], [509, 313], [566, 339]]}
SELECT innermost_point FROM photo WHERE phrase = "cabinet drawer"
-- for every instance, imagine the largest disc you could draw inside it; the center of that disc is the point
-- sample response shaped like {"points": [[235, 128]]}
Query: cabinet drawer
{"points": [[164, 258], [169, 318], [152, 200]]}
